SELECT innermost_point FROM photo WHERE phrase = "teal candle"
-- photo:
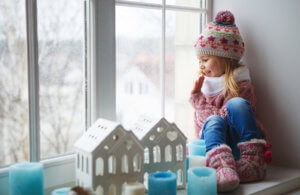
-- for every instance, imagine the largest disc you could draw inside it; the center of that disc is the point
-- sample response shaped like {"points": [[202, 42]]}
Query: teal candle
{"points": [[61, 191], [197, 148], [26, 178], [162, 183], [187, 166], [202, 180]]}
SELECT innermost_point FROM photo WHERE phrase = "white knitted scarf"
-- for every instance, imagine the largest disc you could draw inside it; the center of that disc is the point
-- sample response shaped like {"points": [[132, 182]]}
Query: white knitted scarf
{"points": [[214, 85]]}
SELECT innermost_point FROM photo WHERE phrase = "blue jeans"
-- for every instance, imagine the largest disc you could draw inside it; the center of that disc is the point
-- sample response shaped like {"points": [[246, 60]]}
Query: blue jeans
{"points": [[240, 126]]}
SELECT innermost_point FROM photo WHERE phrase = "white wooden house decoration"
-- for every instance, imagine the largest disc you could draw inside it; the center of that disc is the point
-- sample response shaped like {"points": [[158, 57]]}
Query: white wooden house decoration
{"points": [[164, 147], [107, 156]]}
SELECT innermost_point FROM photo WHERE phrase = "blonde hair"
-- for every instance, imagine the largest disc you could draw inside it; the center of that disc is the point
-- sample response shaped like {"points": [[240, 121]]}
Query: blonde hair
{"points": [[231, 87]]}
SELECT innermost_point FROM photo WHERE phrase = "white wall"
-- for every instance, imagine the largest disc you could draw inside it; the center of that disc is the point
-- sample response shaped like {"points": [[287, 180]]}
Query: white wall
{"points": [[271, 31]]}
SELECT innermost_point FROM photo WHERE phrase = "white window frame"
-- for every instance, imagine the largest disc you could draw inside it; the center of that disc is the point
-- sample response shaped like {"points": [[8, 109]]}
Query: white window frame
{"points": [[63, 162], [101, 75]]}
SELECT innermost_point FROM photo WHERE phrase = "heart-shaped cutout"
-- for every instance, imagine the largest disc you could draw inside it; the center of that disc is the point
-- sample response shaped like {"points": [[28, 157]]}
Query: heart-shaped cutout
{"points": [[172, 135]]}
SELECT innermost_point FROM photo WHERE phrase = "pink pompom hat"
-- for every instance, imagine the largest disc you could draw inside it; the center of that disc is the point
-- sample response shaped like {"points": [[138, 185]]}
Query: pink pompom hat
{"points": [[221, 37]]}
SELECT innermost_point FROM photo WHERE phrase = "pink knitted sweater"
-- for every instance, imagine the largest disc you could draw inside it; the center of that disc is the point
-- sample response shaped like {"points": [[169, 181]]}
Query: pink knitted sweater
{"points": [[206, 106]]}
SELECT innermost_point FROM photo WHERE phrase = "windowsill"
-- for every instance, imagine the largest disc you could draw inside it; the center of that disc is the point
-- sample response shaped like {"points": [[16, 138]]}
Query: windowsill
{"points": [[279, 180], [60, 172]]}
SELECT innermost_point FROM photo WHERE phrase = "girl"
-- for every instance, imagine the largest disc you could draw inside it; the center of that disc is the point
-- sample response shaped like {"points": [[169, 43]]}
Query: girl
{"points": [[224, 103]]}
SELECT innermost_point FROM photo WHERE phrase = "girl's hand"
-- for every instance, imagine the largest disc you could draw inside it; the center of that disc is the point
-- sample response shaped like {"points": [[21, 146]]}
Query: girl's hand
{"points": [[198, 84]]}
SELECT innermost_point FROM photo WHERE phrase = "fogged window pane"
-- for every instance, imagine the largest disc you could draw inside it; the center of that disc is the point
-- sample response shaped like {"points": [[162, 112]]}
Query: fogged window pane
{"points": [[188, 3], [13, 83], [138, 53], [60, 28], [182, 29]]}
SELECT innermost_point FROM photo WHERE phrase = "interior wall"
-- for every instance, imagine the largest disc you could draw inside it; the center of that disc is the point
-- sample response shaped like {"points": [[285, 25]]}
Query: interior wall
{"points": [[271, 32]]}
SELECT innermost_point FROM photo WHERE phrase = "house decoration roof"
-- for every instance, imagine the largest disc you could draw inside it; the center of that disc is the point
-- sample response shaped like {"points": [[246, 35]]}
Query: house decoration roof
{"points": [[96, 134], [145, 123]]}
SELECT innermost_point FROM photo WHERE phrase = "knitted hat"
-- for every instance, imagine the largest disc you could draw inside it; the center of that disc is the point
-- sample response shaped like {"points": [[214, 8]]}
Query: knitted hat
{"points": [[221, 38]]}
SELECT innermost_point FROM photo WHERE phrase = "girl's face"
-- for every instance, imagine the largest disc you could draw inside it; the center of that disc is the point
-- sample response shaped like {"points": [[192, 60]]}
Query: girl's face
{"points": [[211, 66]]}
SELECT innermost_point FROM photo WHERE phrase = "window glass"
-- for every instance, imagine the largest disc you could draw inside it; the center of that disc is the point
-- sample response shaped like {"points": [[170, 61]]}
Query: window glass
{"points": [[138, 57], [144, 1], [14, 121], [188, 3], [182, 29], [60, 34]]}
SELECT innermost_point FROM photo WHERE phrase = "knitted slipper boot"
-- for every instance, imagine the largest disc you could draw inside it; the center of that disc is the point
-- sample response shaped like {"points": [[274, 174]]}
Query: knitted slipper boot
{"points": [[252, 164], [221, 159]]}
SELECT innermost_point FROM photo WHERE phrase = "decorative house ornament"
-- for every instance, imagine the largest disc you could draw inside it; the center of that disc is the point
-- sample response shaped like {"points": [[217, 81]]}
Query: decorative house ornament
{"points": [[164, 147], [108, 156]]}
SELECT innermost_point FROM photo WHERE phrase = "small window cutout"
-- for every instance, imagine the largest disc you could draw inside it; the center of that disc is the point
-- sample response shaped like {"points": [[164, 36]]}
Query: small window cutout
{"points": [[146, 156], [124, 168], [99, 190], [112, 165], [106, 147], [159, 129], [168, 153], [152, 137], [137, 163], [99, 166], [115, 137], [179, 152], [156, 154]]}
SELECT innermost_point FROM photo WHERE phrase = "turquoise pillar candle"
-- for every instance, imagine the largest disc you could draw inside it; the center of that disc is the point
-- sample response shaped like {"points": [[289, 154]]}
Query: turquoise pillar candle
{"points": [[187, 166], [26, 178], [197, 148], [61, 191], [163, 183], [202, 180]]}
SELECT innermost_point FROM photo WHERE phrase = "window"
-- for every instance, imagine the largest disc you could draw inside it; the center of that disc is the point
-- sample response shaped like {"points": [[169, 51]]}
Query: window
{"points": [[14, 121], [146, 156], [138, 60], [99, 166], [124, 166], [156, 154], [61, 73], [168, 153], [179, 152], [112, 164], [158, 55], [137, 163], [49, 102]]}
